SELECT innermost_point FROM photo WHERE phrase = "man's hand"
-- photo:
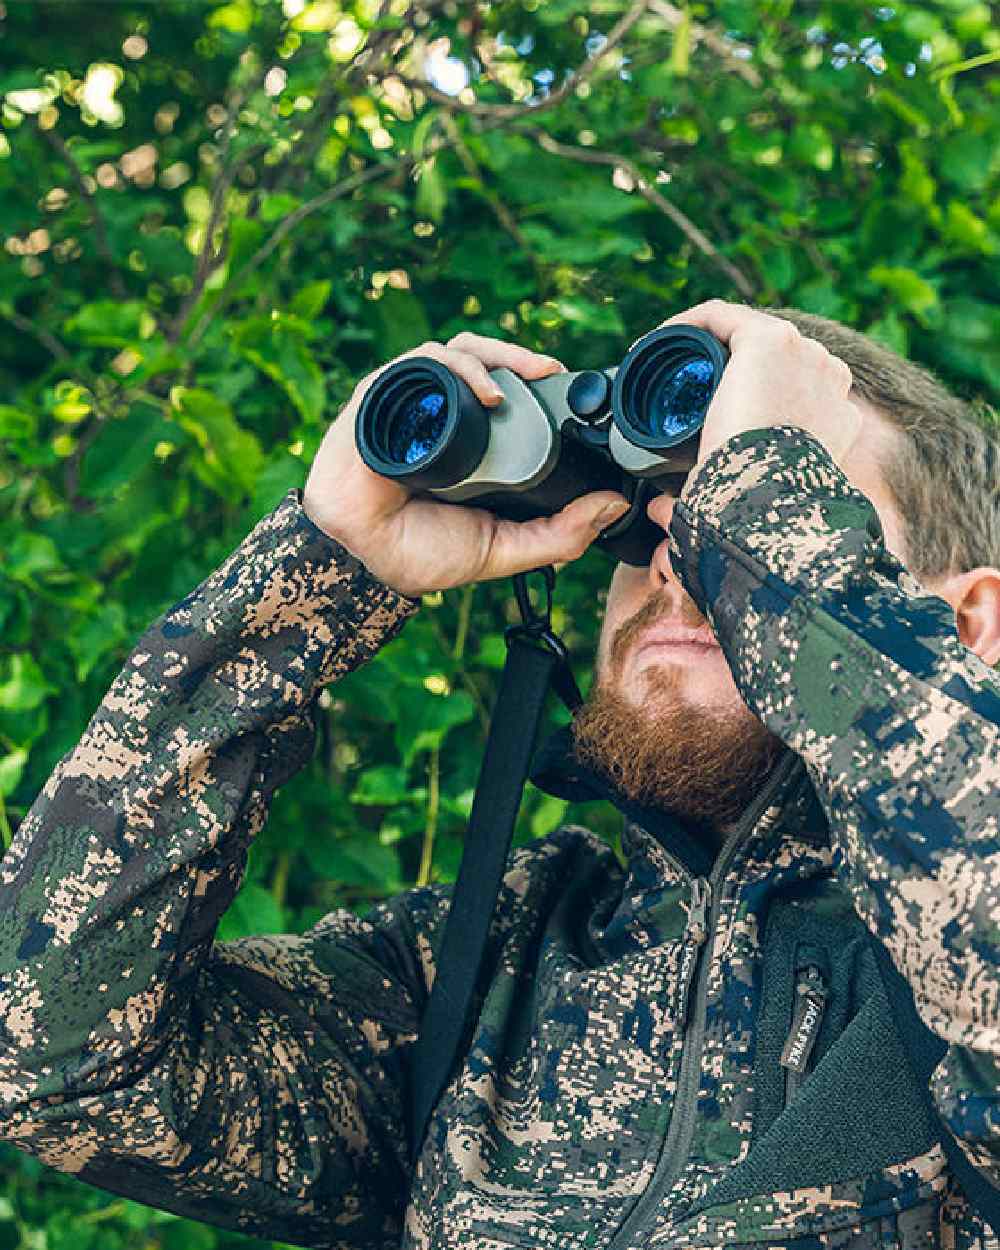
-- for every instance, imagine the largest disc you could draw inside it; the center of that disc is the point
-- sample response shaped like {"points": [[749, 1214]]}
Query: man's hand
{"points": [[775, 376], [416, 543]]}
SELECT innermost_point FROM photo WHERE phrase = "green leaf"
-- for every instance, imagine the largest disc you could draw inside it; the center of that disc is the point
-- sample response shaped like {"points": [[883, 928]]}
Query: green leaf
{"points": [[11, 772], [914, 292], [401, 322], [426, 719], [252, 911], [96, 636], [22, 683], [27, 555], [358, 860], [970, 232], [123, 448], [277, 206], [279, 348], [231, 457], [111, 323], [432, 194], [310, 301], [17, 423], [381, 786], [812, 144]]}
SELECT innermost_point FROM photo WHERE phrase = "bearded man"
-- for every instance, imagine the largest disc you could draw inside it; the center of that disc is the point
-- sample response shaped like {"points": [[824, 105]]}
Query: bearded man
{"points": [[777, 1024]]}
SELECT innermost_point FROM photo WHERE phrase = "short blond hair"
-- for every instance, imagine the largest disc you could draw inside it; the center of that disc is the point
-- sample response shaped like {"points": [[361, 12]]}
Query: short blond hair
{"points": [[946, 479]]}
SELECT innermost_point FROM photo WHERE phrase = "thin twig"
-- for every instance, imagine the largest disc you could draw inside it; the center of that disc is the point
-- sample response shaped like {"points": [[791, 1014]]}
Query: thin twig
{"points": [[57, 142], [26, 326], [590, 156], [715, 42], [433, 807], [288, 224], [503, 213], [510, 112]]}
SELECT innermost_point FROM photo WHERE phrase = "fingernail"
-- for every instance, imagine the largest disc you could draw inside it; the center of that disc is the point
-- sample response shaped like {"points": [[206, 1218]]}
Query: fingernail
{"points": [[494, 390], [558, 363], [611, 512]]}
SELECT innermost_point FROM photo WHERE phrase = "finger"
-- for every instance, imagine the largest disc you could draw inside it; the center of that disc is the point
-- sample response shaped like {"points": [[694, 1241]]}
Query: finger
{"points": [[469, 368], [519, 546], [726, 320], [496, 354]]}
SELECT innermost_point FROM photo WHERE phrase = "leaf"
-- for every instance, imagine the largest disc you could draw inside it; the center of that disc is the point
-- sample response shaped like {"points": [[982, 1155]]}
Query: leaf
{"points": [[16, 423], [680, 52], [23, 686], [431, 194], [425, 719], [401, 321], [111, 323], [381, 786], [252, 911], [27, 555], [97, 636], [11, 772], [231, 457], [123, 448], [914, 292], [276, 346], [310, 301], [358, 860], [278, 205]]}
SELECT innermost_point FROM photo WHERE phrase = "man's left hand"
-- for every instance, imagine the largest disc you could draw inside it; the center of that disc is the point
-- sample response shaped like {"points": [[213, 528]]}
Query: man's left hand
{"points": [[775, 376]]}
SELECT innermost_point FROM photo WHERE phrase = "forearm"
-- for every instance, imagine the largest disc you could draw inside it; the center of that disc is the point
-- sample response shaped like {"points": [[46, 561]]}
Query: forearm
{"points": [[112, 889], [843, 656]]}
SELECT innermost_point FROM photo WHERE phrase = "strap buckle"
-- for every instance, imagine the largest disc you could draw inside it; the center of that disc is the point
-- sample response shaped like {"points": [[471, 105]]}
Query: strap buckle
{"points": [[536, 628]]}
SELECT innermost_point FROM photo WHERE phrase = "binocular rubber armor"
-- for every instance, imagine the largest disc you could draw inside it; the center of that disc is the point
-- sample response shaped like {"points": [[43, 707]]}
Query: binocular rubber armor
{"points": [[632, 428]]}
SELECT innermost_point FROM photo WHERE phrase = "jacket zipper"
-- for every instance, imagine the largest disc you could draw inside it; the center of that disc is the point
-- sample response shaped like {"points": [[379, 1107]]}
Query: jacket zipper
{"points": [[704, 898], [807, 1019]]}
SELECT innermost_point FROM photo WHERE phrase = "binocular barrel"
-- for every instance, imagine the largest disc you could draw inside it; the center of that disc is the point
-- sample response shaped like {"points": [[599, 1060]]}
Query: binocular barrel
{"points": [[632, 429]]}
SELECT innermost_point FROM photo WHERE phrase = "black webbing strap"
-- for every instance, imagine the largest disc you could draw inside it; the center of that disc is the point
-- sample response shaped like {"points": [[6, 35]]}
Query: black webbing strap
{"points": [[535, 657]]}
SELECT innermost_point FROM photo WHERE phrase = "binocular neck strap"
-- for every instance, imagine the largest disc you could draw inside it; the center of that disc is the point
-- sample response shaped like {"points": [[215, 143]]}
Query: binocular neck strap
{"points": [[536, 657]]}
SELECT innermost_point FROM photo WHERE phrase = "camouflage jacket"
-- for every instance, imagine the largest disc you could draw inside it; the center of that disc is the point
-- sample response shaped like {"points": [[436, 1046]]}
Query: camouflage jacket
{"points": [[667, 1053]]}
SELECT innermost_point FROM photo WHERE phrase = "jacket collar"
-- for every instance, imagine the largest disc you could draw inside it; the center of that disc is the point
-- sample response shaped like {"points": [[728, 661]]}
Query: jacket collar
{"points": [[793, 807]]}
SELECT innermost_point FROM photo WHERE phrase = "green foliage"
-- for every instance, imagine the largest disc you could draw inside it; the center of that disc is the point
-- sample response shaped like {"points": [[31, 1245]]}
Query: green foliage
{"points": [[205, 249]]}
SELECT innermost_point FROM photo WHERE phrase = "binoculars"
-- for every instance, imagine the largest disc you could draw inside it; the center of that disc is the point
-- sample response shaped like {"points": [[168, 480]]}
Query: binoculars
{"points": [[632, 428]]}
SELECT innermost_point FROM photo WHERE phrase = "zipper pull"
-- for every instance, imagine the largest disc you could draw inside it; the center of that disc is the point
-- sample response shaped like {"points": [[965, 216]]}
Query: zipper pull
{"points": [[810, 1003], [695, 933]]}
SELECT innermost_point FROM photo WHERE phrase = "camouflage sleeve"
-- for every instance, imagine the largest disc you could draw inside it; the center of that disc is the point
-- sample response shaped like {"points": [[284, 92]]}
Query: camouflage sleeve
{"points": [[846, 658], [253, 1084]]}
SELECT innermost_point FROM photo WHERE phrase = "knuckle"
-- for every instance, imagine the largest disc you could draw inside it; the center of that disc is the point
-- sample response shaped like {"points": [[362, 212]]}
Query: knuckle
{"points": [[462, 339]]}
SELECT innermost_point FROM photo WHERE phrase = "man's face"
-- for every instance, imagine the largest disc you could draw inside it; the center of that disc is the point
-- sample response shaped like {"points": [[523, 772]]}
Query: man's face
{"points": [[663, 683]]}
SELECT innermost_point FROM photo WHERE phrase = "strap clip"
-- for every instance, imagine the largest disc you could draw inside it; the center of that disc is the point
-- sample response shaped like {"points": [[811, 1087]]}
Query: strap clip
{"points": [[536, 628]]}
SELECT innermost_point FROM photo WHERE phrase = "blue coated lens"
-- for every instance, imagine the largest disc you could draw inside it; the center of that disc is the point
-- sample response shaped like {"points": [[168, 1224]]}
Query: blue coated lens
{"points": [[679, 400], [416, 427]]}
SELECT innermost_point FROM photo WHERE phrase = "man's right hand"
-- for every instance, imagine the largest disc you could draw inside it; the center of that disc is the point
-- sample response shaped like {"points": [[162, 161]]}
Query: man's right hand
{"points": [[417, 544]]}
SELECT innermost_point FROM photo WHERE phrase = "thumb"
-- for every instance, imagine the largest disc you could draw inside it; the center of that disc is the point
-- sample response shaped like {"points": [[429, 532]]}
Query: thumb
{"points": [[554, 540]]}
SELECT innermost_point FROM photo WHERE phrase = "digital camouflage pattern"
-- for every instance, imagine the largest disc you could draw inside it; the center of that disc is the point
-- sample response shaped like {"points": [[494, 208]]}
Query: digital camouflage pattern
{"points": [[622, 1087]]}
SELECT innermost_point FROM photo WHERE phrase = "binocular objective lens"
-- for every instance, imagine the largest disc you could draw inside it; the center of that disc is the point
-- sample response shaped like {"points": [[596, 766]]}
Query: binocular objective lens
{"points": [[415, 427], [677, 401]]}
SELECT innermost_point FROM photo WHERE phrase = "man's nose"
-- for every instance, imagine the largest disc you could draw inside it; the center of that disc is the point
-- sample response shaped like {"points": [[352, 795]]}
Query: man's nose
{"points": [[659, 510]]}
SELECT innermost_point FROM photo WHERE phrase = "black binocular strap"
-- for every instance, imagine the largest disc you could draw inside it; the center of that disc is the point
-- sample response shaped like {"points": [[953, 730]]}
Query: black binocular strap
{"points": [[524, 685]]}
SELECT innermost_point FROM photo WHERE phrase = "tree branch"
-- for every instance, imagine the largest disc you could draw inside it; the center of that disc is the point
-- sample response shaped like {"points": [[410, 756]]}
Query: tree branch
{"points": [[56, 141], [512, 112], [717, 43], [589, 156], [43, 336]]}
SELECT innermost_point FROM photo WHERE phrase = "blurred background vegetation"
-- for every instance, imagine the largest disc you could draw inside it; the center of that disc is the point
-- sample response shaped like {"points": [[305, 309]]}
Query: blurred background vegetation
{"points": [[215, 217]]}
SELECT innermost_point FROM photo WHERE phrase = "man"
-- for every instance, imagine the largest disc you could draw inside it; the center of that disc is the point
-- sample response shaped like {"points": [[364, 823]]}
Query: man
{"points": [[711, 1046]]}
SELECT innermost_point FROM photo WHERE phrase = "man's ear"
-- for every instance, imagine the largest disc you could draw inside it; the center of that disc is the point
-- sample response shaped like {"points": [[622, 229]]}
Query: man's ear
{"points": [[975, 599]]}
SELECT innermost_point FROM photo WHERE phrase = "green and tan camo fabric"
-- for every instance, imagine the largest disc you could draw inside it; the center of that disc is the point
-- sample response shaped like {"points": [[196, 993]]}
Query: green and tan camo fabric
{"points": [[623, 1086]]}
